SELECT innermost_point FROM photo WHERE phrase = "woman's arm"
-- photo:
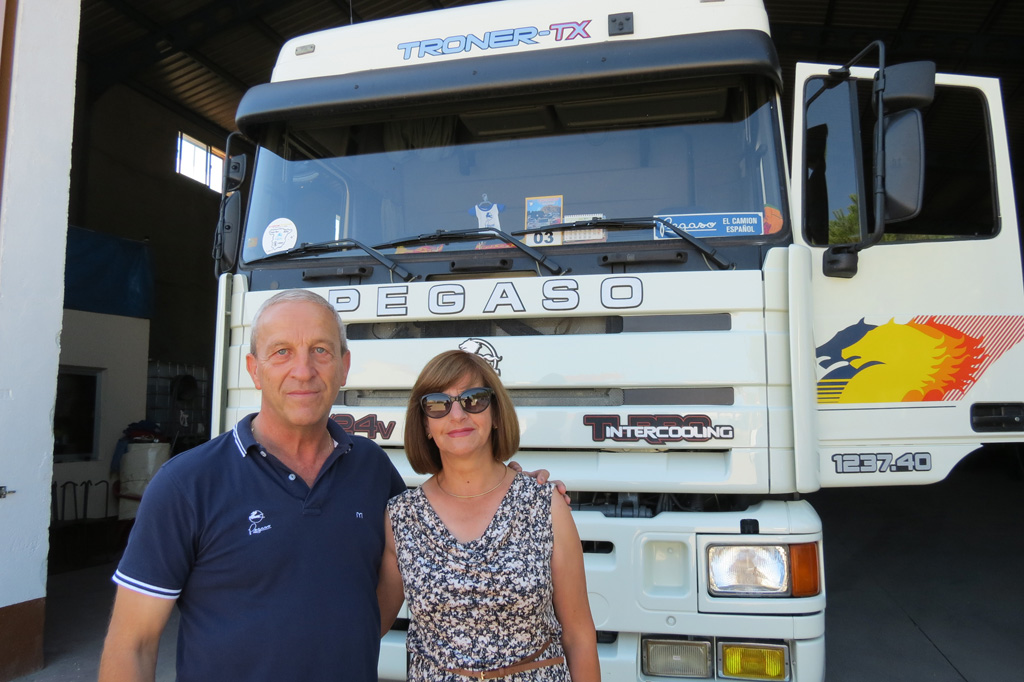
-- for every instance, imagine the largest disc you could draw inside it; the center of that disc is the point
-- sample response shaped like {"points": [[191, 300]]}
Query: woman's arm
{"points": [[572, 609], [389, 582]]}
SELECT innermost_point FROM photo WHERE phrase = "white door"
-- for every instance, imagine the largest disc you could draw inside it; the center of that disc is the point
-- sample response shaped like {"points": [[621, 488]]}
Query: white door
{"points": [[918, 355]]}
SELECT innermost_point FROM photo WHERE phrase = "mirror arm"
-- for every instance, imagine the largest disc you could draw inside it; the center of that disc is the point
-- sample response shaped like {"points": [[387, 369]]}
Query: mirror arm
{"points": [[844, 70], [879, 169]]}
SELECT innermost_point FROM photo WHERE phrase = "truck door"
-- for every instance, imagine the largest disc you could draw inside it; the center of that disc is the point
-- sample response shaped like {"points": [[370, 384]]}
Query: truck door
{"points": [[918, 355]]}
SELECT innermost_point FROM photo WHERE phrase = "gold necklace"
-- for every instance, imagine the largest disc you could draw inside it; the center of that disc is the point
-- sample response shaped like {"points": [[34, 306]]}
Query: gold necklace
{"points": [[467, 497]]}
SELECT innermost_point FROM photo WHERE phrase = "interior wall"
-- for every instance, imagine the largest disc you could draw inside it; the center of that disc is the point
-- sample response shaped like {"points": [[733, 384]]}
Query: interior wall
{"points": [[118, 346], [126, 185]]}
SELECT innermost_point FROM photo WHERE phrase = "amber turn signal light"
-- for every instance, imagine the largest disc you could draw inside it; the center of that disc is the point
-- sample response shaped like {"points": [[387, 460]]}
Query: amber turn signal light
{"points": [[804, 566]]}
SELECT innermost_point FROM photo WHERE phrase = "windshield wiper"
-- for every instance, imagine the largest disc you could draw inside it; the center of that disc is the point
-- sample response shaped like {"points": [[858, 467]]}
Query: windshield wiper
{"points": [[637, 224], [477, 235], [307, 248]]}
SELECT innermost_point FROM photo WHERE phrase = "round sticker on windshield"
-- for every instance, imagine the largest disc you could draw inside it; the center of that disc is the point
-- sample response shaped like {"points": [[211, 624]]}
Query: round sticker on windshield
{"points": [[280, 235]]}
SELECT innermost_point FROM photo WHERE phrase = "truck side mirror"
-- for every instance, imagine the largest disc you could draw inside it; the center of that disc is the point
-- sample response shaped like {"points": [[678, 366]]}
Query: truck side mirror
{"points": [[904, 165], [908, 86], [234, 174], [228, 234]]}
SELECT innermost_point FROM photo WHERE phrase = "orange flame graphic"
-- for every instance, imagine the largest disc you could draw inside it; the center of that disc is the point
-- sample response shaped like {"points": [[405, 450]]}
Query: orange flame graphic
{"points": [[956, 359]]}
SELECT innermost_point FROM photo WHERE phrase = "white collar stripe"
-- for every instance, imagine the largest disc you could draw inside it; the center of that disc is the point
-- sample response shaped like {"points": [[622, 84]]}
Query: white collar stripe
{"points": [[238, 440]]}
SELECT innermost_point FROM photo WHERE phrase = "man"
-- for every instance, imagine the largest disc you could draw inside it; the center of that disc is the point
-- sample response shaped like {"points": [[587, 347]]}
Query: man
{"points": [[268, 537]]}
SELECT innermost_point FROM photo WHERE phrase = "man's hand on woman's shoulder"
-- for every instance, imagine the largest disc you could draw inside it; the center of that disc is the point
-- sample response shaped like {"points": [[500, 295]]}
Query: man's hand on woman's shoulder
{"points": [[542, 476]]}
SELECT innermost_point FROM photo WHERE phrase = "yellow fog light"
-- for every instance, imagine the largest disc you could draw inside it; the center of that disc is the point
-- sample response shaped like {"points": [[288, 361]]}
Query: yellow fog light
{"points": [[741, 661], [677, 658]]}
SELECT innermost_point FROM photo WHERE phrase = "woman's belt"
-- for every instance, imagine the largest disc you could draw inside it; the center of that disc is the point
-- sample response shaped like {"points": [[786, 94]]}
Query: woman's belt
{"points": [[528, 663]]}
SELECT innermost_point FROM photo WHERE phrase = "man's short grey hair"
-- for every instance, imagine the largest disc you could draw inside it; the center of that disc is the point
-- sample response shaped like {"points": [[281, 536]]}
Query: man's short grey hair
{"points": [[295, 295]]}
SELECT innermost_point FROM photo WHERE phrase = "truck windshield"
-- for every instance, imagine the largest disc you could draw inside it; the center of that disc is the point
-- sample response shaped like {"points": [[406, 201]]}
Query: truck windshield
{"points": [[704, 156]]}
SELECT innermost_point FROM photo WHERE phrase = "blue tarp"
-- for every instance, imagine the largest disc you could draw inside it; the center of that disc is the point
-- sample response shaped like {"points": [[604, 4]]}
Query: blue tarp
{"points": [[107, 274]]}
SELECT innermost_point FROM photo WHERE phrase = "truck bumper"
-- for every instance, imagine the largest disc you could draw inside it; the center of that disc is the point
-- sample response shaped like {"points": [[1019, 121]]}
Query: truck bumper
{"points": [[620, 660]]}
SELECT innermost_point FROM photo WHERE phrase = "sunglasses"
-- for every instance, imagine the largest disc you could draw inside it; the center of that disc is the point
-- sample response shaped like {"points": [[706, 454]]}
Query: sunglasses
{"points": [[472, 400]]}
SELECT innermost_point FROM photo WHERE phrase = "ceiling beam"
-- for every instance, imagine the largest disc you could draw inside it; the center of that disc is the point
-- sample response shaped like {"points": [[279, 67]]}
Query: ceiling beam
{"points": [[947, 49], [994, 13], [267, 30], [184, 35], [348, 9], [180, 110]]}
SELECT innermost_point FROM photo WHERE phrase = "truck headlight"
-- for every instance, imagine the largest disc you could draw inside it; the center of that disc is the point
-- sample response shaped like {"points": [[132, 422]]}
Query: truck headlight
{"points": [[751, 570], [763, 570]]}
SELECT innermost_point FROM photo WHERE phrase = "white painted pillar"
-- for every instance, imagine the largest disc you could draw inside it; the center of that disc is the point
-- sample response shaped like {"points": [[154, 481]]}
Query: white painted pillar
{"points": [[33, 228]]}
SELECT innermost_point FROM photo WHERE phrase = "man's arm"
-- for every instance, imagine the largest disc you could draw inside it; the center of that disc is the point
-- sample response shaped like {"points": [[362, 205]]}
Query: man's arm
{"points": [[129, 652]]}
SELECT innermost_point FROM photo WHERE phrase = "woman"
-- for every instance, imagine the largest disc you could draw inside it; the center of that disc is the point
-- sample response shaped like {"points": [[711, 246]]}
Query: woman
{"points": [[490, 561]]}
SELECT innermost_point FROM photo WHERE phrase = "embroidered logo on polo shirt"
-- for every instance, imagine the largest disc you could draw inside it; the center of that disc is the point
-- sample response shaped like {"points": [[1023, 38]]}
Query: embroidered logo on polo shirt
{"points": [[255, 519]]}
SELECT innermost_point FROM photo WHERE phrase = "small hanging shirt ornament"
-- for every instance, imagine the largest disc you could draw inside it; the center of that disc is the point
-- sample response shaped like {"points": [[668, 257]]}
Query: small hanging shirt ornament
{"points": [[487, 214]]}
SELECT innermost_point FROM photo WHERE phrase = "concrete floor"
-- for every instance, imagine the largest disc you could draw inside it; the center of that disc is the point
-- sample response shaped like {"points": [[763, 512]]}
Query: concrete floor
{"points": [[924, 585], [77, 610]]}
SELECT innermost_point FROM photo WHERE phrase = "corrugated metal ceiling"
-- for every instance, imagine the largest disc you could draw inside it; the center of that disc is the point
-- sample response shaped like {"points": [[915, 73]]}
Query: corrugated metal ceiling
{"points": [[197, 57]]}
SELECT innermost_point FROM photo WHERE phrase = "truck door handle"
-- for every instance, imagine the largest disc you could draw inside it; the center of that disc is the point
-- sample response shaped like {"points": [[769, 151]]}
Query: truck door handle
{"points": [[988, 417]]}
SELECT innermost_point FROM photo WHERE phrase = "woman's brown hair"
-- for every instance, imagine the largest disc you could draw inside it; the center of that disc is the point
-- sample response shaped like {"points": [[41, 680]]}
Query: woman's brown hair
{"points": [[441, 372]]}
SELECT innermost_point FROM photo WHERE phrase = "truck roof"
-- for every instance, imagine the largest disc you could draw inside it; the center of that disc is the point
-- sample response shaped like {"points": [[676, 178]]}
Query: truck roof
{"points": [[505, 27]]}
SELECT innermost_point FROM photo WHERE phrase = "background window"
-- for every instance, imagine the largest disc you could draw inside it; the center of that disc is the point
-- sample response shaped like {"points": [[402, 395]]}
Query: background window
{"points": [[200, 161], [76, 414]]}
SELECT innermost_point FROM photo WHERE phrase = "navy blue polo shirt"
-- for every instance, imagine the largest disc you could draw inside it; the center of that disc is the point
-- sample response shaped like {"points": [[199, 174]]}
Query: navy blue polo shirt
{"points": [[274, 580]]}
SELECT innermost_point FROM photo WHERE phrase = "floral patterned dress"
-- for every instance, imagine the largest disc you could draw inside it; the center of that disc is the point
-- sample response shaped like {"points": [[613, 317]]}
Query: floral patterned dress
{"points": [[482, 604]]}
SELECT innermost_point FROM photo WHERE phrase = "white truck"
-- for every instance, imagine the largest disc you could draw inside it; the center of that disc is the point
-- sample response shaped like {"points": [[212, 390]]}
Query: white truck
{"points": [[696, 327]]}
